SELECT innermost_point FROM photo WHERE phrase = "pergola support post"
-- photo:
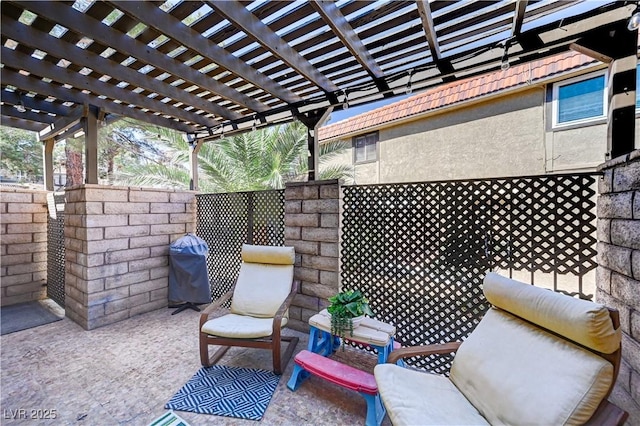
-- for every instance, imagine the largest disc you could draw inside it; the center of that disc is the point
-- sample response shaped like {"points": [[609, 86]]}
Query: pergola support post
{"points": [[47, 156], [194, 149], [91, 145], [622, 104], [313, 121], [617, 46]]}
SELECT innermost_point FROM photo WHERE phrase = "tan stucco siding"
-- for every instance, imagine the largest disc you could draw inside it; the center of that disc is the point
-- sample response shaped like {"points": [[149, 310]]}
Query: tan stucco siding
{"points": [[577, 149], [502, 137]]}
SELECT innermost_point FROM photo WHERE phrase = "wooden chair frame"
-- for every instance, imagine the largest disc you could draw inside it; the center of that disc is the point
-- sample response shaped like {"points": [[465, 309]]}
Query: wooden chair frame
{"points": [[271, 342], [607, 414]]}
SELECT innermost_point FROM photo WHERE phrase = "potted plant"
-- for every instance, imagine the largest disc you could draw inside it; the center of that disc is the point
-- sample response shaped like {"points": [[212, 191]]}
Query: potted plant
{"points": [[347, 310]]}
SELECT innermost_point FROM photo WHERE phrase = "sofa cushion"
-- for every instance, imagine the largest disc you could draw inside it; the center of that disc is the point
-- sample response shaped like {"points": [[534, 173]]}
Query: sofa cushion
{"points": [[240, 326], [417, 398], [516, 373], [582, 321]]}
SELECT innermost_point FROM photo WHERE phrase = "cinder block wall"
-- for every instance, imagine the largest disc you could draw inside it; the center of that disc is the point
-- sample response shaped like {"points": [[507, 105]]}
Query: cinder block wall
{"points": [[23, 245], [117, 249], [618, 274], [311, 226]]}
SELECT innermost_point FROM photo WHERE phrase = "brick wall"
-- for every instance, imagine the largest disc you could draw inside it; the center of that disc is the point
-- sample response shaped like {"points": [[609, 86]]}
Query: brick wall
{"points": [[117, 250], [618, 274], [311, 226], [23, 245]]}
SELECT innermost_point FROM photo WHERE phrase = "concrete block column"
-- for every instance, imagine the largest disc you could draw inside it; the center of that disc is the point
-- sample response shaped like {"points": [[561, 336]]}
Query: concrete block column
{"points": [[311, 226], [618, 274], [23, 245], [117, 250]]}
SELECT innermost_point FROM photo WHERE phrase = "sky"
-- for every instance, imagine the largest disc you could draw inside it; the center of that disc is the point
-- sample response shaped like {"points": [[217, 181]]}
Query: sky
{"points": [[339, 115]]}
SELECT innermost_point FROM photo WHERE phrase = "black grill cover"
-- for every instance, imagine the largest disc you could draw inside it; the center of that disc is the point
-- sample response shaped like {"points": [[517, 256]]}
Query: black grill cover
{"points": [[188, 278]]}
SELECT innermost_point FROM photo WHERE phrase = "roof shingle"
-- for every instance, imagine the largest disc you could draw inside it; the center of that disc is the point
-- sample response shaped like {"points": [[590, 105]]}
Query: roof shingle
{"points": [[457, 92]]}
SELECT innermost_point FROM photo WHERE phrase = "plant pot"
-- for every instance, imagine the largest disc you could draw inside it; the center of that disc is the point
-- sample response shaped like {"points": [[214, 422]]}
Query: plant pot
{"points": [[357, 320]]}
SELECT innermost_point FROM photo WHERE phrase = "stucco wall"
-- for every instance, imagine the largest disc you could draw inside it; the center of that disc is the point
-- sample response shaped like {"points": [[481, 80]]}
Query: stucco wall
{"points": [[510, 135], [23, 245]]}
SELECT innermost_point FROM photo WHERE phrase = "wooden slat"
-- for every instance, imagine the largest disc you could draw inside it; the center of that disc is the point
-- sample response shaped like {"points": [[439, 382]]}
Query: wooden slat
{"points": [[176, 30], [10, 111], [83, 24], [518, 17], [336, 20], [34, 103], [30, 37], [38, 86], [64, 76], [253, 27]]}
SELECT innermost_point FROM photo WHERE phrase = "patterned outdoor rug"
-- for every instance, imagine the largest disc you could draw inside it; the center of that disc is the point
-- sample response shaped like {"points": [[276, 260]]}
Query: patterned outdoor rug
{"points": [[227, 391]]}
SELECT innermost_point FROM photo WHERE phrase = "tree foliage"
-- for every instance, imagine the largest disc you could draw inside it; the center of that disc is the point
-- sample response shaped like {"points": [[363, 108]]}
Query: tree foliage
{"points": [[258, 160], [20, 153]]}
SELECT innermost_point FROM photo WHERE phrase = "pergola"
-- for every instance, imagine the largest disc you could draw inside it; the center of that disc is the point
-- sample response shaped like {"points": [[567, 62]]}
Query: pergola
{"points": [[215, 68]]}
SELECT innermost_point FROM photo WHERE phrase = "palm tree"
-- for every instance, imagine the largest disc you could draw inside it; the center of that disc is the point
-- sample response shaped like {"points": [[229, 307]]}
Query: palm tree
{"points": [[258, 160]]}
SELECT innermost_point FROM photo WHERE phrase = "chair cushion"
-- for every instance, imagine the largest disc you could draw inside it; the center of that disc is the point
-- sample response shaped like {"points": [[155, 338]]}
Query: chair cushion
{"points": [[582, 321], [275, 255], [240, 326], [261, 289], [417, 398], [516, 373]]}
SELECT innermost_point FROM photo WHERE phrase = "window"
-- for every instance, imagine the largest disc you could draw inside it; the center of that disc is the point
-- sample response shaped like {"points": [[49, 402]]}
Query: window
{"points": [[581, 99], [365, 148]]}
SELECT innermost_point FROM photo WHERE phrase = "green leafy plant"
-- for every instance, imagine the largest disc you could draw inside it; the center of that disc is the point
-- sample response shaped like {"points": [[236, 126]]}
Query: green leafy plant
{"points": [[344, 307]]}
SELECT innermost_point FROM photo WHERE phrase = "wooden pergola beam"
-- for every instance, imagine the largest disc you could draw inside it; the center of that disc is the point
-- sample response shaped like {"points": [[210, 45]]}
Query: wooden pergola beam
{"points": [[172, 27], [38, 86], [33, 38], [426, 16], [14, 98], [62, 124], [518, 17], [19, 123], [63, 75], [29, 115], [236, 13], [338, 23]]}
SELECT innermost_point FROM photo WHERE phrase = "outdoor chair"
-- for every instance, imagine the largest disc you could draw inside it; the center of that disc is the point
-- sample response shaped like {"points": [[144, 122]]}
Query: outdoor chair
{"points": [[536, 358], [260, 300]]}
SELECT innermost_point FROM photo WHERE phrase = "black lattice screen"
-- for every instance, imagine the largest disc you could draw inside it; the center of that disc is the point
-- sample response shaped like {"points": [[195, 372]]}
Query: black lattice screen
{"points": [[226, 221], [55, 248], [420, 251]]}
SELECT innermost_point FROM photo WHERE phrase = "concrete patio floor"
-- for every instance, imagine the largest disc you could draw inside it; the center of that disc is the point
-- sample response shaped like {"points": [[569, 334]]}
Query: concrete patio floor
{"points": [[124, 373]]}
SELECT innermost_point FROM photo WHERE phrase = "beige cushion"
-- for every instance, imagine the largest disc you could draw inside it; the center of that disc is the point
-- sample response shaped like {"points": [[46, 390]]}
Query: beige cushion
{"points": [[418, 398], [275, 255], [582, 321], [361, 334], [240, 326], [370, 323], [262, 287], [516, 373]]}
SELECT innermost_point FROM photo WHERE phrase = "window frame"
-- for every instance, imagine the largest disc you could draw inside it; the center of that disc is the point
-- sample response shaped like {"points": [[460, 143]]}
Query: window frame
{"points": [[583, 121], [375, 147]]}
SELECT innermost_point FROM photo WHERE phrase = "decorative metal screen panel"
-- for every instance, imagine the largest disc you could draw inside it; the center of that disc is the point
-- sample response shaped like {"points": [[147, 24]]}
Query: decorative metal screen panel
{"points": [[55, 248], [226, 221], [419, 251]]}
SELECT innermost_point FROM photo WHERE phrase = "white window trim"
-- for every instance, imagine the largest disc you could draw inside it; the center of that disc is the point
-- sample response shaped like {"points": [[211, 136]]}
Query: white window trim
{"points": [[605, 98], [375, 148]]}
